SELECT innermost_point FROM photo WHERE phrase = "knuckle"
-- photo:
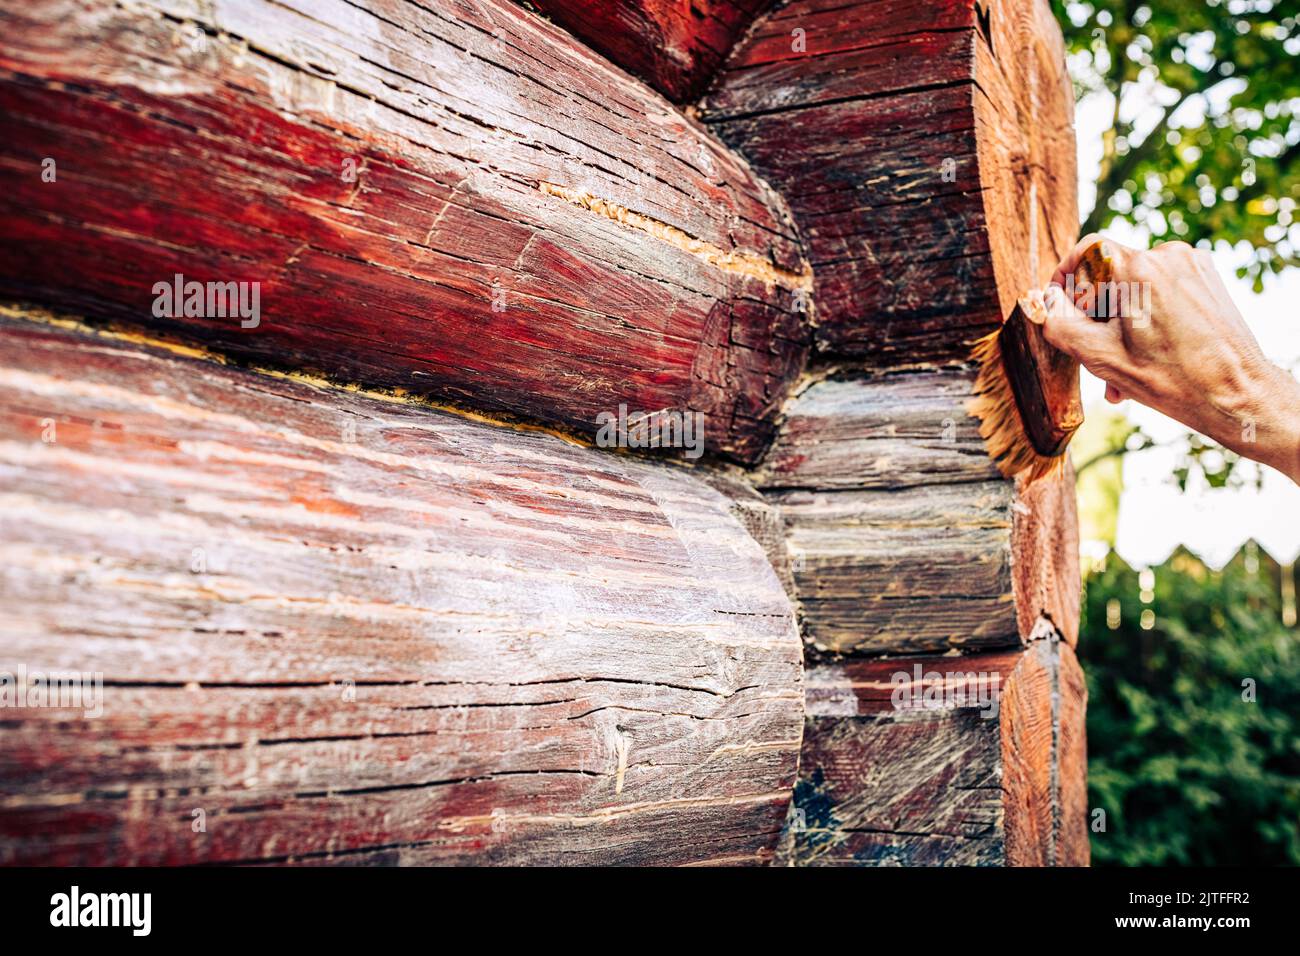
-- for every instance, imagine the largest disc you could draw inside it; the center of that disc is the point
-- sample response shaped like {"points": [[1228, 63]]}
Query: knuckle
{"points": [[1088, 240]]}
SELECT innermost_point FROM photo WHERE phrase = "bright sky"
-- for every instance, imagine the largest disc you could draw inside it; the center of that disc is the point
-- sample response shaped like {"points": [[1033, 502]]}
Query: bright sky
{"points": [[1154, 517]]}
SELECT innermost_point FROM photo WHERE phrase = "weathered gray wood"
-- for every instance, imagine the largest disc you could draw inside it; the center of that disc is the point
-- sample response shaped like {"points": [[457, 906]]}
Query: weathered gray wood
{"points": [[980, 781], [760, 516], [902, 536], [903, 571], [908, 430], [351, 628]]}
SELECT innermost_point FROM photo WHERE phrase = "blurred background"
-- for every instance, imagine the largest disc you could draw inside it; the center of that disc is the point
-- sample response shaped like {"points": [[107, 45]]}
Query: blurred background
{"points": [[1186, 113]]}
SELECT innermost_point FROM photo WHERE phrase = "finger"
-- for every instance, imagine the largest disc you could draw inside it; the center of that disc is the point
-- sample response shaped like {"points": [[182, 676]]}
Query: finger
{"points": [[1070, 264], [1113, 394], [1073, 332], [1071, 261]]}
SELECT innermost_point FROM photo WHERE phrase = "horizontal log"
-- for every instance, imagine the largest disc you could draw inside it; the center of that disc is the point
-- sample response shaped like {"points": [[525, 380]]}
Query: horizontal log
{"points": [[454, 199], [927, 152], [887, 432], [955, 760], [903, 572], [676, 47], [902, 536], [334, 628]]}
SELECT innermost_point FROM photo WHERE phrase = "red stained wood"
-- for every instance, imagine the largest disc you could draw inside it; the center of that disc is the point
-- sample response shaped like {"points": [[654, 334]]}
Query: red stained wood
{"points": [[348, 629], [674, 45], [1072, 836], [483, 253], [982, 782], [1045, 555], [557, 654], [927, 153]]}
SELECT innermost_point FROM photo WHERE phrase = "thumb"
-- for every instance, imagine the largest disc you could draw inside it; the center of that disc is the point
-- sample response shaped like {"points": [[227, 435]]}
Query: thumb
{"points": [[1070, 330]]}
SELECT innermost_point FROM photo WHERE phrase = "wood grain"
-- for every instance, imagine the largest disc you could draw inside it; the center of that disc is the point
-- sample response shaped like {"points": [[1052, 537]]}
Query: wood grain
{"points": [[927, 152], [887, 432], [902, 536], [1072, 836], [897, 572], [978, 783], [1045, 555], [348, 629], [674, 46], [454, 198]]}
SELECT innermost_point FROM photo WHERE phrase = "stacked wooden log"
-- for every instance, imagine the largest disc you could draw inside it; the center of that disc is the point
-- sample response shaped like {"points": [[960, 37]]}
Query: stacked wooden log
{"points": [[905, 541], [343, 628], [349, 385], [927, 155]]}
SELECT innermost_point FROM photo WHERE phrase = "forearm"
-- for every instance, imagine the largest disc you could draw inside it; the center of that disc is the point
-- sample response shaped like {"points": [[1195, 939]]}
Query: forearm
{"points": [[1191, 357], [1277, 434]]}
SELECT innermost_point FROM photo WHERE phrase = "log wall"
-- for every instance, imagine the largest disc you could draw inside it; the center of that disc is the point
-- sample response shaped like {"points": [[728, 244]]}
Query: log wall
{"points": [[927, 152], [676, 47], [416, 618], [900, 769], [905, 543], [927, 155]]}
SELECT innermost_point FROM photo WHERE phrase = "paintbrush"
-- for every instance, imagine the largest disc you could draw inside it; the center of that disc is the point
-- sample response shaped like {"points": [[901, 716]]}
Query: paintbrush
{"points": [[1026, 395]]}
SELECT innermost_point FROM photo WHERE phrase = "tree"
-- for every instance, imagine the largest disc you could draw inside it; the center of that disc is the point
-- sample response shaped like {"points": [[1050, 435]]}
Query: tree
{"points": [[1193, 715], [1206, 127]]}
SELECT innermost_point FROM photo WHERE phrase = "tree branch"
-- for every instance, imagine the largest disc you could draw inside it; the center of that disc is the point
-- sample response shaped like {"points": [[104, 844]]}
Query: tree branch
{"points": [[1114, 177]]}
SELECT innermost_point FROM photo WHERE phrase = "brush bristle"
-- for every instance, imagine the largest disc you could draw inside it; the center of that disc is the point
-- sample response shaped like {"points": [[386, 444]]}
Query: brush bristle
{"points": [[994, 404]]}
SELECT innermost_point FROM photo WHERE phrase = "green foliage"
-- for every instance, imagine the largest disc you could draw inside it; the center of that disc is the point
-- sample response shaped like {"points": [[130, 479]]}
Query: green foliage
{"points": [[1215, 156], [1216, 464], [1196, 455], [1187, 771], [1097, 451]]}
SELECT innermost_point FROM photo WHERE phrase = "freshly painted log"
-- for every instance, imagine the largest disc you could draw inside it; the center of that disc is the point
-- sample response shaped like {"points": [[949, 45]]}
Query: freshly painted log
{"points": [[453, 198], [902, 536], [954, 760], [334, 628], [927, 152], [1072, 835], [674, 45]]}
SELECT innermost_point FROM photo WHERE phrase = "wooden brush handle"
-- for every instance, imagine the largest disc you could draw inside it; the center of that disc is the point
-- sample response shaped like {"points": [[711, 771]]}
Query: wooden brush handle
{"points": [[1043, 379], [1096, 269]]}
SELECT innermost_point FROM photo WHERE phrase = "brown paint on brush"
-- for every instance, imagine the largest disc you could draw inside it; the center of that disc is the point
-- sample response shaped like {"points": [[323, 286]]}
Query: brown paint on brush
{"points": [[1044, 379]]}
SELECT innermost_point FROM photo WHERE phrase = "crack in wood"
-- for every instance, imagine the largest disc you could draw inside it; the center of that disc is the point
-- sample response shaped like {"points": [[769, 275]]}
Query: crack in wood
{"points": [[733, 262]]}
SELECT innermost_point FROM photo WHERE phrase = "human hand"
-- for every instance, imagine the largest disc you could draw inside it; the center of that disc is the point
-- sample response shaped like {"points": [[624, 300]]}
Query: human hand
{"points": [[1178, 345]]}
